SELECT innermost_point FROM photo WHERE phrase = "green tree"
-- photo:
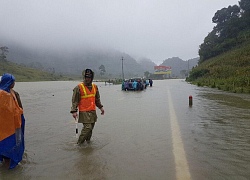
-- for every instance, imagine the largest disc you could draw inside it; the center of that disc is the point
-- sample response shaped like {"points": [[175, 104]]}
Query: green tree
{"points": [[225, 19], [102, 70], [245, 6], [4, 51], [224, 35], [206, 50]]}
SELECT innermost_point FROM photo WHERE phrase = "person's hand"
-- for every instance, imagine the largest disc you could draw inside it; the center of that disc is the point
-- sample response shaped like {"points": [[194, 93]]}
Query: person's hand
{"points": [[102, 111], [75, 115]]}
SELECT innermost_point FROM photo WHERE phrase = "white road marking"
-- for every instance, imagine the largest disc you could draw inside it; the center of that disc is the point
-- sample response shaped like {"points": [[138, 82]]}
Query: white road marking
{"points": [[181, 165]]}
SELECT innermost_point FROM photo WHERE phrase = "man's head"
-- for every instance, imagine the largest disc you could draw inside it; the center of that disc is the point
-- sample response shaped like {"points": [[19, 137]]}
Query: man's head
{"points": [[88, 75]]}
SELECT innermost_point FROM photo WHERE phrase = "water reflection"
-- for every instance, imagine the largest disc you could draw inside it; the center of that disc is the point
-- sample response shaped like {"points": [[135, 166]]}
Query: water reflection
{"points": [[222, 134], [235, 100]]}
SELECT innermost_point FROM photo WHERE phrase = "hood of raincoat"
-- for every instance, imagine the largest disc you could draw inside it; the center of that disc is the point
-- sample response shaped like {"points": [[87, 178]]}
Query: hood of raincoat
{"points": [[6, 81]]}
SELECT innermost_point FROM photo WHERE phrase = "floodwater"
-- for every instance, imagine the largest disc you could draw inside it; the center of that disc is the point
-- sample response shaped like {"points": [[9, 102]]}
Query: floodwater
{"points": [[152, 134]]}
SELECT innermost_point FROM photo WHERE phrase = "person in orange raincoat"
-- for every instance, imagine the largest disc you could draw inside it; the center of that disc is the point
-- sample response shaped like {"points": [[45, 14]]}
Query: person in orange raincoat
{"points": [[12, 123]]}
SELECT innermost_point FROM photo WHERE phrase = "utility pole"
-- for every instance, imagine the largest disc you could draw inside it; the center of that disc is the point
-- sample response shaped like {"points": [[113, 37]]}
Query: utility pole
{"points": [[122, 70]]}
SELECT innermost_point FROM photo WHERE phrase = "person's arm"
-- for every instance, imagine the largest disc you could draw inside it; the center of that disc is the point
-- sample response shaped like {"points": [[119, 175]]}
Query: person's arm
{"points": [[98, 101], [75, 101], [18, 99]]}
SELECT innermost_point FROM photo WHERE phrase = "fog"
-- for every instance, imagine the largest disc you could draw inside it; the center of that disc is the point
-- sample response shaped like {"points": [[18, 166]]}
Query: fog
{"points": [[152, 29]]}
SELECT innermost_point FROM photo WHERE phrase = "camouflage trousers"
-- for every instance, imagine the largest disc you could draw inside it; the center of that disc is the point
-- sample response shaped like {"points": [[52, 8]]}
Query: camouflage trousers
{"points": [[86, 132]]}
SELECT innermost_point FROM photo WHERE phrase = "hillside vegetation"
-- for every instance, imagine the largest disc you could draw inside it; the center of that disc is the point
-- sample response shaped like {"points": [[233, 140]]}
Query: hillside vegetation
{"points": [[23, 73], [225, 53], [229, 71]]}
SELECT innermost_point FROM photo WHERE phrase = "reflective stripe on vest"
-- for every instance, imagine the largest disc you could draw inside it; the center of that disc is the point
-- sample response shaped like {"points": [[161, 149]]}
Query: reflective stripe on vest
{"points": [[85, 95], [87, 102]]}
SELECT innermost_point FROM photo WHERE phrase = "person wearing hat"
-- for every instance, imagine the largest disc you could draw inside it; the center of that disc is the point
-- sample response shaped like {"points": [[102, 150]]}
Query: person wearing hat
{"points": [[85, 99]]}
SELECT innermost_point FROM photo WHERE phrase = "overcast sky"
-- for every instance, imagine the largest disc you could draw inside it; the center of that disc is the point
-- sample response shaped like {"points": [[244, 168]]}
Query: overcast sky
{"points": [[155, 29]]}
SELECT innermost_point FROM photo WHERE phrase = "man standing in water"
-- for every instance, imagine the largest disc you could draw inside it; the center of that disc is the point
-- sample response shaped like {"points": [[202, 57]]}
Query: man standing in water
{"points": [[12, 123], [85, 98]]}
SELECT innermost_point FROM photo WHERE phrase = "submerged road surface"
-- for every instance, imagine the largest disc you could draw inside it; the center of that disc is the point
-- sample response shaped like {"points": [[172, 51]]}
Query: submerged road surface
{"points": [[151, 134], [181, 165]]}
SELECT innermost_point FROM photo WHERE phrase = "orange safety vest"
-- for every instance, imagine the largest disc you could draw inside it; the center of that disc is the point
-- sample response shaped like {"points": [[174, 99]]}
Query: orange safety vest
{"points": [[87, 102]]}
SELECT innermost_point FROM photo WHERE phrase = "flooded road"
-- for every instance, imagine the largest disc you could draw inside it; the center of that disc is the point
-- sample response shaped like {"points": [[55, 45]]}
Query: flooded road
{"points": [[152, 134]]}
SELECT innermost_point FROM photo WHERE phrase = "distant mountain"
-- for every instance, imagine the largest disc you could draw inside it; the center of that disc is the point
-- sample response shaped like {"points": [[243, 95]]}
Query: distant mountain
{"points": [[147, 65], [73, 62], [179, 66]]}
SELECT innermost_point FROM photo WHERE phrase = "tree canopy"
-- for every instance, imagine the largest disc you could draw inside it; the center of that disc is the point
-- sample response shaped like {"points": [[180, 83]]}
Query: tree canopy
{"points": [[4, 51], [232, 28], [102, 70]]}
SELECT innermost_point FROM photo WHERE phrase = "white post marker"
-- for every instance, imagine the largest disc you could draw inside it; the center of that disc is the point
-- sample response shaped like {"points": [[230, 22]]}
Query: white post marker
{"points": [[76, 122]]}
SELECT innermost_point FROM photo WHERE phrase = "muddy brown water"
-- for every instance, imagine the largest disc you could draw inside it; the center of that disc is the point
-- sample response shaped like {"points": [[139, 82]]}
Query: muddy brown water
{"points": [[152, 134]]}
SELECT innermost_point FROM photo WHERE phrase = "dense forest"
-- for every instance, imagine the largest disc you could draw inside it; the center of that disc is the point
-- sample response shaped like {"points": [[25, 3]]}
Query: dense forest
{"points": [[225, 53]]}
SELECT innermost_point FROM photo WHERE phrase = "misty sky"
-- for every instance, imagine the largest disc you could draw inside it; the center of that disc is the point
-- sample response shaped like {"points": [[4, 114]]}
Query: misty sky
{"points": [[155, 29]]}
